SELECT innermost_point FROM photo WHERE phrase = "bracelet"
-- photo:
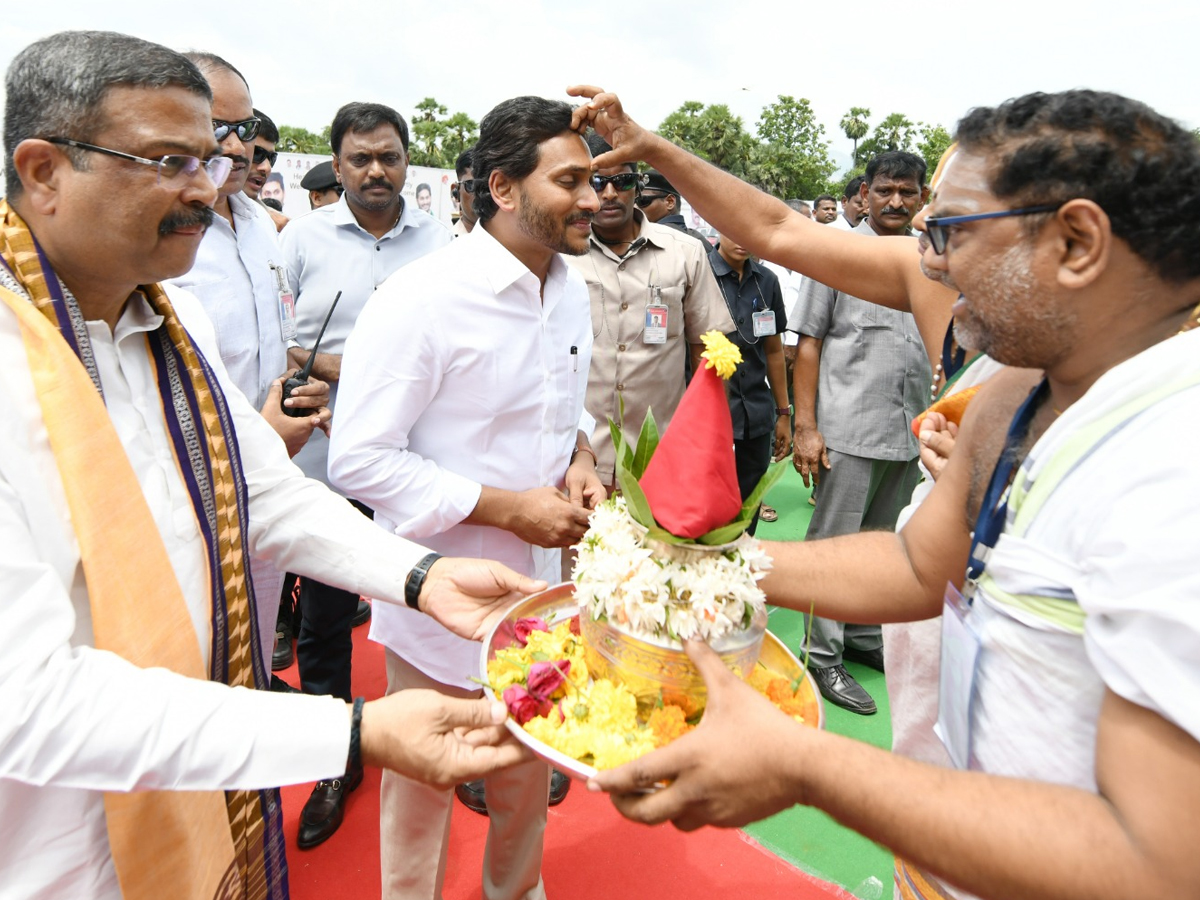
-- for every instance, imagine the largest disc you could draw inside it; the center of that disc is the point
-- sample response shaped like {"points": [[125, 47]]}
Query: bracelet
{"points": [[588, 451], [416, 579], [783, 410], [354, 760]]}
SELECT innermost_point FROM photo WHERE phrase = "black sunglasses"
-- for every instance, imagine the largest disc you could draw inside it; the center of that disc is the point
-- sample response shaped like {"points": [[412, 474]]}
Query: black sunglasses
{"points": [[262, 154], [939, 228], [644, 200], [626, 181], [247, 129]]}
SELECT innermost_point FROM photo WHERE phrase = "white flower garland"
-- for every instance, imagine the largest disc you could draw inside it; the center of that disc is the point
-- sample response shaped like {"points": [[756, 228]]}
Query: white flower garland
{"points": [[669, 591]]}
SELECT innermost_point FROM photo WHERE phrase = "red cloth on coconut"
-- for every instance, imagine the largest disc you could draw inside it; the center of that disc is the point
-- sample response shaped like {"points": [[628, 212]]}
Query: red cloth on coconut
{"points": [[691, 482]]}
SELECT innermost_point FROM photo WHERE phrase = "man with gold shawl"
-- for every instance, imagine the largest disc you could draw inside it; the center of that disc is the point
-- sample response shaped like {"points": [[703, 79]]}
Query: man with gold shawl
{"points": [[137, 758]]}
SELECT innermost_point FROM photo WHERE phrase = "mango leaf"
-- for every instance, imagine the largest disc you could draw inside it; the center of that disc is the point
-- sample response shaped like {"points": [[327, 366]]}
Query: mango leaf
{"points": [[635, 498], [647, 443], [623, 451]]}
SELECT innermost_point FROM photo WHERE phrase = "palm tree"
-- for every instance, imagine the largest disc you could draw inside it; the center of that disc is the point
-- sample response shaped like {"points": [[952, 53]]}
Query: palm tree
{"points": [[854, 124]]}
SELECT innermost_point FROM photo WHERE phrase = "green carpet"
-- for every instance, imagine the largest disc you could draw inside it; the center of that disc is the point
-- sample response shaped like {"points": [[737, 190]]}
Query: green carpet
{"points": [[806, 837]]}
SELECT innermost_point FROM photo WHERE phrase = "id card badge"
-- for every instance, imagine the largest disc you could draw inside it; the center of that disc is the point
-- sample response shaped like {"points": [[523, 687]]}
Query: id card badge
{"points": [[287, 305], [956, 678], [656, 324], [287, 315], [764, 323]]}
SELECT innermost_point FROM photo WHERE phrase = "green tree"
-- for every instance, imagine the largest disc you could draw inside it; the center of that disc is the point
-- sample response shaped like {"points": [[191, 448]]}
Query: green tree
{"points": [[896, 132], [680, 126], [438, 138], [792, 159], [934, 141], [854, 126], [301, 140]]}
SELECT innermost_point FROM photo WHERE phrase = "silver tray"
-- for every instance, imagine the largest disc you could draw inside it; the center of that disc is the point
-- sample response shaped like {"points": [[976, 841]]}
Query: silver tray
{"points": [[556, 605]]}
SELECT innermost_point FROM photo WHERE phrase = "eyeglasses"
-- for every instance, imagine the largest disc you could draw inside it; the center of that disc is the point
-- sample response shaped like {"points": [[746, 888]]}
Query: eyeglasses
{"points": [[644, 200], [262, 154], [939, 228], [169, 167], [626, 181], [467, 184], [247, 129]]}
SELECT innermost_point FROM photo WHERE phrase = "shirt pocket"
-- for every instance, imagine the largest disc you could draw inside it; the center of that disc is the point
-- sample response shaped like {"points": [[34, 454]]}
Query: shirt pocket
{"points": [[672, 296]]}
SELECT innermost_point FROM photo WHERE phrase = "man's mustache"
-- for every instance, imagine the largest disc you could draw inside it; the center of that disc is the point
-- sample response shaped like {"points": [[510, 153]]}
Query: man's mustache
{"points": [[894, 211], [581, 217], [189, 219], [237, 158], [378, 182]]}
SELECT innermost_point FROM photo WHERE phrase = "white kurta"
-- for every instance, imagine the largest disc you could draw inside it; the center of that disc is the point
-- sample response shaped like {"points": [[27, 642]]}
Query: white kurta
{"points": [[75, 721], [458, 375]]}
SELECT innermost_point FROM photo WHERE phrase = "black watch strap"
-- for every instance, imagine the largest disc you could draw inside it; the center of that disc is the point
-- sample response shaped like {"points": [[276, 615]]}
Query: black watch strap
{"points": [[354, 760], [416, 579]]}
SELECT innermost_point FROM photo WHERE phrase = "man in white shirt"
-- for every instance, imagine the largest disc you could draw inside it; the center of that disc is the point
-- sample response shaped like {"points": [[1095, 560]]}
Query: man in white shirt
{"points": [[237, 278], [463, 423], [111, 170], [350, 246], [854, 205]]}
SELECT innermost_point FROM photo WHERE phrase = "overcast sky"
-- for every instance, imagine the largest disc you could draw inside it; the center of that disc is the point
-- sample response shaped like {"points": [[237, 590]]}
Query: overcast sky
{"points": [[303, 59]]}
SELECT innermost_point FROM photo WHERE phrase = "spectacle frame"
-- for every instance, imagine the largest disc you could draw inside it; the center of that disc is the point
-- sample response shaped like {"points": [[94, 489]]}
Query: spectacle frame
{"points": [[262, 154], [169, 167], [644, 200], [247, 129], [626, 181], [939, 227]]}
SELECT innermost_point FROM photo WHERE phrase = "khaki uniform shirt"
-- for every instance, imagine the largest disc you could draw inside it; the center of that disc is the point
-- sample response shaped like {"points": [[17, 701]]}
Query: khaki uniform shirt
{"points": [[646, 376]]}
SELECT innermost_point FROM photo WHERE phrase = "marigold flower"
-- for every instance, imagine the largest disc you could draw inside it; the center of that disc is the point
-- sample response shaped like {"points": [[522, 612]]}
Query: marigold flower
{"points": [[721, 353]]}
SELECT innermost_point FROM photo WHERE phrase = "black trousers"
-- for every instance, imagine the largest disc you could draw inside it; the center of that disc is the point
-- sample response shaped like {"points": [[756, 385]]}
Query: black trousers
{"points": [[752, 456], [324, 645]]}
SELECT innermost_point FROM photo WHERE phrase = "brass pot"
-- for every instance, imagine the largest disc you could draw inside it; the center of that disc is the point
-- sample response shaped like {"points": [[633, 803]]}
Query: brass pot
{"points": [[657, 670]]}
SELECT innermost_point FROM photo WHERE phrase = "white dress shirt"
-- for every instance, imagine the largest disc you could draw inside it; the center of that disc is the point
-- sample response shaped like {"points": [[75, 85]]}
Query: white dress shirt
{"points": [[327, 251], [234, 280], [75, 721], [459, 375]]}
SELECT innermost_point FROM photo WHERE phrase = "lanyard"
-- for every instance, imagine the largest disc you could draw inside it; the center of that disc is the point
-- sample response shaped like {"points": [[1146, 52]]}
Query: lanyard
{"points": [[952, 359], [994, 510]]}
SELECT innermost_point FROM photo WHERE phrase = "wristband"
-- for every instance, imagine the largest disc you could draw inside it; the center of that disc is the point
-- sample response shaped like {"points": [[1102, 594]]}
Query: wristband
{"points": [[416, 579], [586, 450], [354, 760], [783, 410]]}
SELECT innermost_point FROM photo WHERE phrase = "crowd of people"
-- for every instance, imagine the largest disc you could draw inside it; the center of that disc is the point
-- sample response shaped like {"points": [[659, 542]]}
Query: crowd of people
{"points": [[229, 428]]}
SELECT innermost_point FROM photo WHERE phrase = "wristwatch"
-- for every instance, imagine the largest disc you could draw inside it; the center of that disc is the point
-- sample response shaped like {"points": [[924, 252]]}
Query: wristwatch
{"points": [[416, 579], [784, 410]]}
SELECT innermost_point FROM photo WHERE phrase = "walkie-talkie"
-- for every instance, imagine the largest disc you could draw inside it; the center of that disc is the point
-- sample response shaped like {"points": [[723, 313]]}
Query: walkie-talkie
{"points": [[301, 377]]}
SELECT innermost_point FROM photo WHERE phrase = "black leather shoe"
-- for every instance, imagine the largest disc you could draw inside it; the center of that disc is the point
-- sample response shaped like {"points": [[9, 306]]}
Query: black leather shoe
{"points": [[282, 655], [839, 688], [279, 686], [872, 659], [559, 785], [322, 814], [362, 614], [471, 795]]}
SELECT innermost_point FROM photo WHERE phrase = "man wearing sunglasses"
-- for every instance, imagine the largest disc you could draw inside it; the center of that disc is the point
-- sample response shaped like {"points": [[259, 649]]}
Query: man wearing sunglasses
{"points": [[236, 278], [259, 182], [1070, 627], [653, 294], [463, 192], [661, 204]]}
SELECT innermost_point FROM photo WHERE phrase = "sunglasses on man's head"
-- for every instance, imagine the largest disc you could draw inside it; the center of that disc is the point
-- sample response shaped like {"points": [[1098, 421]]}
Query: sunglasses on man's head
{"points": [[247, 129], [262, 154], [626, 181]]}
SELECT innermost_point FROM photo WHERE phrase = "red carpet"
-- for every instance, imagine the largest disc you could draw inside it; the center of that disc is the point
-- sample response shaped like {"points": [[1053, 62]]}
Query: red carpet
{"points": [[591, 852]]}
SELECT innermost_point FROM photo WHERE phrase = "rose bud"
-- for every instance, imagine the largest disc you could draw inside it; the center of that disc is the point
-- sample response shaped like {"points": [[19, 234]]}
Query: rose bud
{"points": [[523, 706], [547, 677], [522, 628]]}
